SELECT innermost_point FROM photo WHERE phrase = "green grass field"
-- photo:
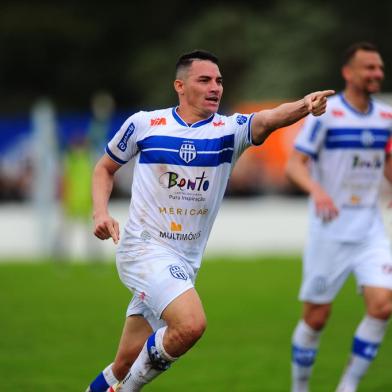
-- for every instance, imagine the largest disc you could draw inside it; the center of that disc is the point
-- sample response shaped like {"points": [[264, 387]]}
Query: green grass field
{"points": [[60, 325]]}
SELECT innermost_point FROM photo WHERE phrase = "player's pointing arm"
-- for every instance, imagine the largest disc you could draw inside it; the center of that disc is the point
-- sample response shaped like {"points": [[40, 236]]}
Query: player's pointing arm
{"points": [[267, 121]]}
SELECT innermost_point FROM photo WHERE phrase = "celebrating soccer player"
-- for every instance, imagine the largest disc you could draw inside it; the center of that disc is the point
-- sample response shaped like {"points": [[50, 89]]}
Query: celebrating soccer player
{"points": [[184, 156], [347, 149]]}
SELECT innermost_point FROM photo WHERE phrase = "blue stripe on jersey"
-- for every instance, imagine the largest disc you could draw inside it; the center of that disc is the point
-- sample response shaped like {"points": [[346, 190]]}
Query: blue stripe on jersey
{"points": [[307, 152], [363, 138], [186, 152], [315, 131], [116, 159], [173, 158], [175, 143], [194, 125]]}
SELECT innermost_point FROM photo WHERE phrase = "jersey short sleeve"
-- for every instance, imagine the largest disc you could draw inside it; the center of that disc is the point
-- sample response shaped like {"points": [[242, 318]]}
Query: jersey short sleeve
{"points": [[241, 125], [311, 136], [123, 147]]}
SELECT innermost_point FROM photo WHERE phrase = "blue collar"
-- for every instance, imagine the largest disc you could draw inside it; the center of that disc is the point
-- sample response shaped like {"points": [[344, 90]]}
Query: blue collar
{"points": [[194, 125], [345, 102]]}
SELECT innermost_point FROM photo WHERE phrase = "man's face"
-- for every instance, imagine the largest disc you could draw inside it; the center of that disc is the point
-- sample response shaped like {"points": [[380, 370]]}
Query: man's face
{"points": [[365, 72], [201, 88]]}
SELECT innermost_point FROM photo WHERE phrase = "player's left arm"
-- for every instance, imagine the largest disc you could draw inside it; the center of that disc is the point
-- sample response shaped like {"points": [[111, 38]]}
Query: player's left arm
{"points": [[267, 121], [388, 161]]}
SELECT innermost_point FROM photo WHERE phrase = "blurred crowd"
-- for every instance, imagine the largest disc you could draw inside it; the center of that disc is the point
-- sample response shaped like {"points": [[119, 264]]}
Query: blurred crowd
{"points": [[63, 148]]}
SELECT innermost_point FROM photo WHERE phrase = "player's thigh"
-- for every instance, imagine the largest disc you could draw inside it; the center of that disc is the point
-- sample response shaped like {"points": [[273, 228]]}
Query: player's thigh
{"points": [[156, 279], [373, 264], [326, 266], [187, 308]]}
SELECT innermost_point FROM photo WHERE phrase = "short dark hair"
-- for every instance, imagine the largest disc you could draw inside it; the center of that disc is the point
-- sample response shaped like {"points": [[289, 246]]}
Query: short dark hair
{"points": [[352, 49], [186, 59]]}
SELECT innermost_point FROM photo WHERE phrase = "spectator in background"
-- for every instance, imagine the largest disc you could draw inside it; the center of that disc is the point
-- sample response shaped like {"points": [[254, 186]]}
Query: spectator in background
{"points": [[184, 158], [102, 107], [339, 160], [76, 197]]}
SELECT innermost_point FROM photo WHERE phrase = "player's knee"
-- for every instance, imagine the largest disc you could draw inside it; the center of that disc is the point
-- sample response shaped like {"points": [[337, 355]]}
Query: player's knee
{"points": [[189, 332], [317, 319], [381, 310]]}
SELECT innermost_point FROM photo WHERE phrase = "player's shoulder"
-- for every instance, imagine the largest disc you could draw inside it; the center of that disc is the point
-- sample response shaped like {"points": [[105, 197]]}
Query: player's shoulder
{"points": [[235, 118], [382, 108], [144, 119], [154, 117], [335, 102]]}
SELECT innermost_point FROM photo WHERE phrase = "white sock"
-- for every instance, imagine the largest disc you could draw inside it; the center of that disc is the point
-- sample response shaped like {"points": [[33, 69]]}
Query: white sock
{"points": [[367, 339], [305, 342], [151, 362], [104, 380]]}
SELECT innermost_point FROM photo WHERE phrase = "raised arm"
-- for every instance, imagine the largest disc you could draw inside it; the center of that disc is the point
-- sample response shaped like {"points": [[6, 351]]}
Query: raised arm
{"points": [[102, 185], [267, 121], [298, 172]]}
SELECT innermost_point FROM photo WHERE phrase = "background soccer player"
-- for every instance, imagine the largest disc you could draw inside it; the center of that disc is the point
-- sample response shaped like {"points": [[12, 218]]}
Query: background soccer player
{"points": [[339, 159], [184, 156]]}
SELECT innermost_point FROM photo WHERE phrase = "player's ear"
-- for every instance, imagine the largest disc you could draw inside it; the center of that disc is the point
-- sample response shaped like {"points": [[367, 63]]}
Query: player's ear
{"points": [[346, 72], [179, 86]]}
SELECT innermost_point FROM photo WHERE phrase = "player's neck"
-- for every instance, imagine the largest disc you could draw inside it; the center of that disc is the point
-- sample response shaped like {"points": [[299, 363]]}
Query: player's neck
{"points": [[191, 116], [358, 100]]}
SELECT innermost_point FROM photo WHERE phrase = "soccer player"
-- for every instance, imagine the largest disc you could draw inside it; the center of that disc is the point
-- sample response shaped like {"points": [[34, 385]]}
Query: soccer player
{"points": [[339, 160], [184, 156]]}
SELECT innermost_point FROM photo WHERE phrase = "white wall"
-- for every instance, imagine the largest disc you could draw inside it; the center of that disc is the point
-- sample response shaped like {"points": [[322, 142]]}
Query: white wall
{"points": [[267, 224]]}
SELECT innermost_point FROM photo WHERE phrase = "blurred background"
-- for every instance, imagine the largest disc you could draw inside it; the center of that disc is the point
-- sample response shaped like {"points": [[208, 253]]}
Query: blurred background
{"points": [[70, 74]]}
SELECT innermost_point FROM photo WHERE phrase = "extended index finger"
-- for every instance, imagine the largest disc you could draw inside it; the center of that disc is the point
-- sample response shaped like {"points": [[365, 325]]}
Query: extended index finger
{"points": [[112, 232], [327, 93]]}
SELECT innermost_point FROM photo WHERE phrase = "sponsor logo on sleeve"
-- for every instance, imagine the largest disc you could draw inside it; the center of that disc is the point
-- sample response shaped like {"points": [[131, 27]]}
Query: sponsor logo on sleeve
{"points": [[241, 119], [122, 145]]}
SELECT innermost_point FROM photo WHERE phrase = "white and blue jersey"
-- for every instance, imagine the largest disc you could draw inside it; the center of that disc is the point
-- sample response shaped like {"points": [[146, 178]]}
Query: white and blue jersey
{"points": [[180, 176], [347, 148]]}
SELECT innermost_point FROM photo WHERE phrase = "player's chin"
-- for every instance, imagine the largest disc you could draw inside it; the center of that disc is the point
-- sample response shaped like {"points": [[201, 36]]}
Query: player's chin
{"points": [[373, 88], [212, 106]]}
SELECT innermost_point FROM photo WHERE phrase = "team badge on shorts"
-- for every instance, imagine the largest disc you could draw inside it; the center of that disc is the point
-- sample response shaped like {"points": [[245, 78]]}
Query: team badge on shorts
{"points": [[319, 284], [178, 272]]}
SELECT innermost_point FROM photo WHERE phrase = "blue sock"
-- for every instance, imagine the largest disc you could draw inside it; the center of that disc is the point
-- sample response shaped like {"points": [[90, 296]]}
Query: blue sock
{"points": [[99, 384]]}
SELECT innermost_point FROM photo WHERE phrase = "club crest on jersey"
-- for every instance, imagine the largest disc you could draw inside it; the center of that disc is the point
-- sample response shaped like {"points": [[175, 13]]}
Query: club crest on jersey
{"points": [[178, 272], [187, 152], [367, 137]]}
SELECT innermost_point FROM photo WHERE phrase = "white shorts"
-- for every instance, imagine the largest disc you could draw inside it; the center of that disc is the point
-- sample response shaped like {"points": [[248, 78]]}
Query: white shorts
{"points": [[327, 265], [156, 277]]}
